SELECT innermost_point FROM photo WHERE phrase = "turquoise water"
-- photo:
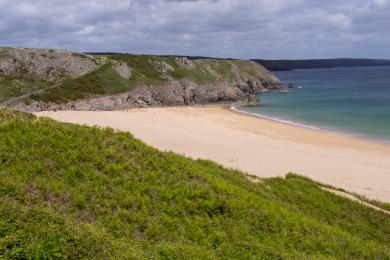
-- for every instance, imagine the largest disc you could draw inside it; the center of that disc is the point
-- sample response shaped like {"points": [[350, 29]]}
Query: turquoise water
{"points": [[354, 101]]}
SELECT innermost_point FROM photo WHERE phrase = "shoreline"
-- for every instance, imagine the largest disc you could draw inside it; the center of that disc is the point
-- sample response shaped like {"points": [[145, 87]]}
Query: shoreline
{"points": [[235, 109], [258, 146], [274, 119]]}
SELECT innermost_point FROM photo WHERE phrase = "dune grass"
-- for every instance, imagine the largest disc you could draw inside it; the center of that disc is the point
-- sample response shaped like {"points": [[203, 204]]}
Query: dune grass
{"points": [[69, 191]]}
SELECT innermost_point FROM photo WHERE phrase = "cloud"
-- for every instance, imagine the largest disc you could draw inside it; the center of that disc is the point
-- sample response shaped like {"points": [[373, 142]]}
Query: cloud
{"points": [[222, 28]]}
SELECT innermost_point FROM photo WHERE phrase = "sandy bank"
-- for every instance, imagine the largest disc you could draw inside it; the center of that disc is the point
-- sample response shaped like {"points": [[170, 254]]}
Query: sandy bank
{"points": [[258, 146]]}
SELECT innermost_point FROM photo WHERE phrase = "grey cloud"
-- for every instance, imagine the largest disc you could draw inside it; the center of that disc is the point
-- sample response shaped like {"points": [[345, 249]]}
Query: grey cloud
{"points": [[222, 28]]}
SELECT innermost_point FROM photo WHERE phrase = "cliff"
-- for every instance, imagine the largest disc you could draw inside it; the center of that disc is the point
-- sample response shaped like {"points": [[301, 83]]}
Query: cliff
{"points": [[35, 80]]}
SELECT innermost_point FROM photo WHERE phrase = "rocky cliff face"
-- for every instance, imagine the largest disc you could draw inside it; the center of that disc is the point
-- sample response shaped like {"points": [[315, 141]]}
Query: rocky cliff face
{"points": [[177, 93], [145, 81], [44, 64]]}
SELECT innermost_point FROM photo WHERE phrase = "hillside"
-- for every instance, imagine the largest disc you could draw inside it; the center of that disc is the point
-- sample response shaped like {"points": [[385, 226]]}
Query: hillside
{"points": [[37, 79], [275, 65], [24, 70], [96, 193]]}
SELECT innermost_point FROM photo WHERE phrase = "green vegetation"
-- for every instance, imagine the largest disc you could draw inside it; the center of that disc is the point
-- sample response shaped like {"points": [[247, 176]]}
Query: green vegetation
{"points": [[143, 64], [102, 81], [17, 85], [69, 191], [106, 81], [199, 74], [249, 69], [147, 70]]}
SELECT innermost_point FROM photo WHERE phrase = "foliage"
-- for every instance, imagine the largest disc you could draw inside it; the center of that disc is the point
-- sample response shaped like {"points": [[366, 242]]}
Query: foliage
{"points": [[18, 84], [69, 191], [104, 80]]}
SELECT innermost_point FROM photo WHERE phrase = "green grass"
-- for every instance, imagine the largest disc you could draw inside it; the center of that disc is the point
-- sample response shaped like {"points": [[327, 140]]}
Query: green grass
{"points": [[17, 85], [102, 81], [69, 191], [141, 65], [144, 69], [250, 69], [106, 81]]}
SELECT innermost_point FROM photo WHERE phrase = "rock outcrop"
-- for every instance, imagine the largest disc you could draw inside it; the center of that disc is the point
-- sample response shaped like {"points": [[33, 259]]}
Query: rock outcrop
{"points": [[185, 63], [163, 68], [45, 64], [283, 90], [177, 93], [122, 69], [141, 81]]}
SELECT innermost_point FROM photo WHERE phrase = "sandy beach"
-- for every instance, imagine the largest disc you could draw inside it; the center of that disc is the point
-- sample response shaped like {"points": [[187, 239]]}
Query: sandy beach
{"points": [[258, 146]]}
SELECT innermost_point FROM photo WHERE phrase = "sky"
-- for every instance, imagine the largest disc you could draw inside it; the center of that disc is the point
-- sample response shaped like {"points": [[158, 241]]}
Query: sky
{"points": [[269, 29]]}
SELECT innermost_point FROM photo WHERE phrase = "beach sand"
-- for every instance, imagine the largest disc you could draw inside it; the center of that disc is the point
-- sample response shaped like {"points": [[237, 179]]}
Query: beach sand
{"points": [[258, 146]]}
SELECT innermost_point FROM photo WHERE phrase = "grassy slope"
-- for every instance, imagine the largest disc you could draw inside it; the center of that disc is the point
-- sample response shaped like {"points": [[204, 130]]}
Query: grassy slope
{"points": [[102, 81], [105, 80], [18, 85], [74, 191]]}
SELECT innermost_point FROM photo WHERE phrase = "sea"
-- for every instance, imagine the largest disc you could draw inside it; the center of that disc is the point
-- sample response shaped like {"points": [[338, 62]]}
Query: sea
{"points": [[349, 100]]}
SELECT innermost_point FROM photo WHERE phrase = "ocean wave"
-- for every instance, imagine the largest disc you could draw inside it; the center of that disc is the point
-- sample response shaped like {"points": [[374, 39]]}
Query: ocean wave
{"points": [[275, 119], [288, 122]]}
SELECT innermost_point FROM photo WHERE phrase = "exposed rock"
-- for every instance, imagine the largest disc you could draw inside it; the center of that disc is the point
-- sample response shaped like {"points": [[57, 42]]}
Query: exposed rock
{"points": [[49, 65], [163, 68], [219, 83], [185, 63], [253, 100], [122, 69], [274, 82], [235, 70], [210, 68], [252, 85], [265, 91], [182, 92], [283, 90]]}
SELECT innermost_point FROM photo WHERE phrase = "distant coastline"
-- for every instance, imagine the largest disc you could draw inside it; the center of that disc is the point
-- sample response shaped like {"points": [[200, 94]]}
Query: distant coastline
{"points": [[284, 65], [349, 100], [289, 65]]}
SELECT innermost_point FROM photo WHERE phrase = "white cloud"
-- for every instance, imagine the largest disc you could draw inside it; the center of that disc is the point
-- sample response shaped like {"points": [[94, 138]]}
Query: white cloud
{"points": [[27, 9], [226, 28], [381, 2], [340, 20], [86, 30]]}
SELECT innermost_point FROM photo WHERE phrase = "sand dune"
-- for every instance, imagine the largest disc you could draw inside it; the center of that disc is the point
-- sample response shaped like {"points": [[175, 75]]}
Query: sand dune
{"points": [[259, 146]]}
